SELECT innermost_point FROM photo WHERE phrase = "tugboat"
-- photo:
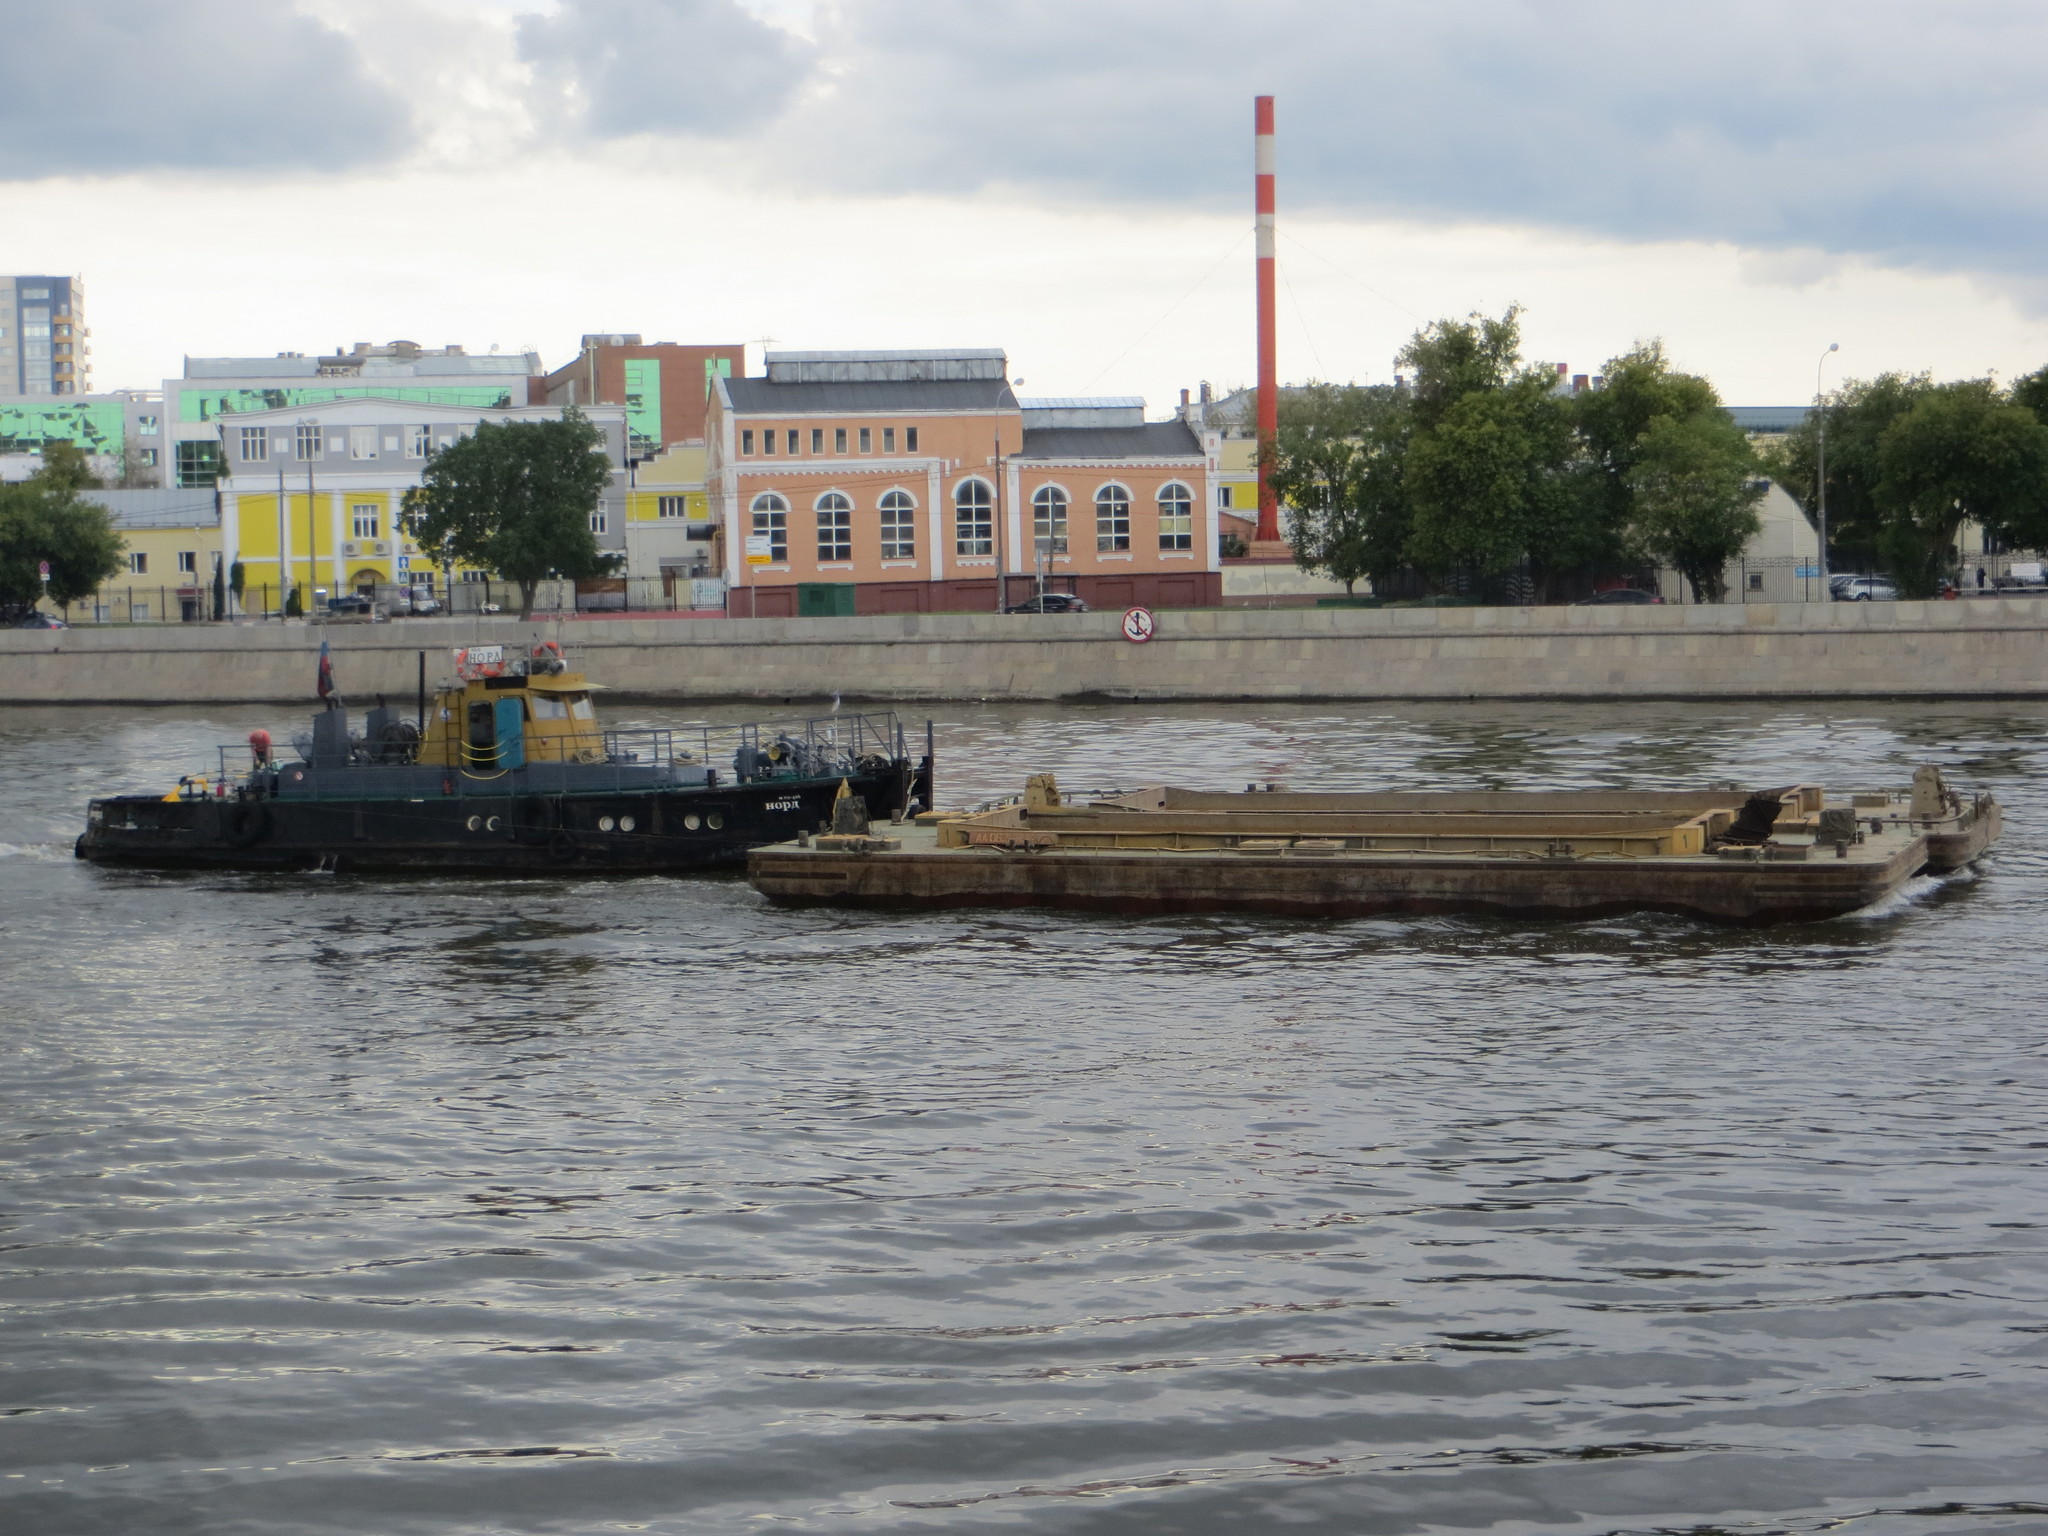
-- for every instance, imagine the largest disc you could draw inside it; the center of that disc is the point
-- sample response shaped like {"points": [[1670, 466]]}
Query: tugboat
{"points": [[509, 772]]}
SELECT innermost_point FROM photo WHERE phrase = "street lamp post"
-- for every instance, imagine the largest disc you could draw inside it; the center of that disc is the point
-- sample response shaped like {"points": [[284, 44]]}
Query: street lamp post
{"points": [[1820, 476]]}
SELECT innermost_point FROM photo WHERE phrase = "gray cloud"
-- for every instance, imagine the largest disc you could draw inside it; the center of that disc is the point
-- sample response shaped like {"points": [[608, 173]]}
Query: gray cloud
{"points": [[617, 67], [1901, 132], [126, 85]]}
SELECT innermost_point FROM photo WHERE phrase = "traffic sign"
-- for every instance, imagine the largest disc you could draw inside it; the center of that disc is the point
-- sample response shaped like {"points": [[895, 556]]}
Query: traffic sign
{"points": [[1139, 625], [43, 570]]}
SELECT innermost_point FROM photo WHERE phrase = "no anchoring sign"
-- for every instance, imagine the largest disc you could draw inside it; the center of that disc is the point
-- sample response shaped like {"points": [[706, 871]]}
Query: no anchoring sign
{"points": [[1139, 625]]}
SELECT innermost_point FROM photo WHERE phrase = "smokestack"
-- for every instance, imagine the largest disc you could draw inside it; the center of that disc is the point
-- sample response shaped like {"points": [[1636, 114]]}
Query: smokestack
{"points": [[1269, 368]]}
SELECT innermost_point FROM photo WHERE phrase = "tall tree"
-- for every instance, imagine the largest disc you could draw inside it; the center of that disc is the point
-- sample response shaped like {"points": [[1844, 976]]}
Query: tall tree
{"points": [[1857, 416], [1694, 491], [1639, 387], [1336, 463], [1962, 451], [517, 499], [1451, 359], [43, 518]]}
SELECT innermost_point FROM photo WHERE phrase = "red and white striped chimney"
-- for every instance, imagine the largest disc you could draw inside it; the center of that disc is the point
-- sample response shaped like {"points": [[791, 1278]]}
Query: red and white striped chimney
{"points": [[1269, 368]]}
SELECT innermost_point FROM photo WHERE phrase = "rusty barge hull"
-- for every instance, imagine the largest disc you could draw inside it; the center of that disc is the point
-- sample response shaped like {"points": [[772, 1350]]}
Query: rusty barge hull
{"points": [[1337, 886], [1351, 855]]}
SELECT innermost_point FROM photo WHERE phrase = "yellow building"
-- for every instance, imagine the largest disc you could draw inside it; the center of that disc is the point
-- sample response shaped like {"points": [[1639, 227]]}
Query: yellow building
{"points": [[671, 535]]}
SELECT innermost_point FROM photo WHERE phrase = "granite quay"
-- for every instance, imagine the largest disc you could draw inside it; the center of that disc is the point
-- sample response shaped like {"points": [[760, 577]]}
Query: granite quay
{"points": [[1987, 648]]}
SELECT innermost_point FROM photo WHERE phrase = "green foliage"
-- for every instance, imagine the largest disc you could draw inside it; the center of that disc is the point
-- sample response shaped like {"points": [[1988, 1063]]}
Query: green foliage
{"points": [[66, 468], [43, 518], [1962, 451], [1856, 417], [517, 499], [1337, 463], [237, 578], [1455, 358], [1692, 481], [1491, 482], [294, 606], [2032, 393]]}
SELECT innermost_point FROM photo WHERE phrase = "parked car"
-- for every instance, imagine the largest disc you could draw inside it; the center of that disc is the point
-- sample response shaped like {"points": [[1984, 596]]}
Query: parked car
{"points": [[421, 601], [2023, 575], [1617, 595], [41, 621], [1049, 602], [351, 605], [1866, 589]]}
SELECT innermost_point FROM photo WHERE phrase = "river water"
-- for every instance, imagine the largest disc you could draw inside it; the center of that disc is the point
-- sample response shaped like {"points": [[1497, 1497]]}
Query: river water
{"points": [[334, 1205]]}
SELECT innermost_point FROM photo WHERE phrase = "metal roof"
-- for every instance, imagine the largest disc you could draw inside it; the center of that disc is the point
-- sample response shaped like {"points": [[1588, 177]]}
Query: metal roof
{"points": [[1082, 402], [140, 509], [1153, 440], [758, 396], [1768, 418]]}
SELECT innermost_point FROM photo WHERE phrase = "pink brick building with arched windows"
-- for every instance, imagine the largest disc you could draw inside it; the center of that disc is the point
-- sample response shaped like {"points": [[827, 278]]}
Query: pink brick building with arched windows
{"points": [[922, 482]]}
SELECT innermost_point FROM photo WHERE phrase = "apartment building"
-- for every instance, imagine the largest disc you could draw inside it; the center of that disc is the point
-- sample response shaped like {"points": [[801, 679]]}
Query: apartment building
{"points": [[664, 385], [45, 348]]}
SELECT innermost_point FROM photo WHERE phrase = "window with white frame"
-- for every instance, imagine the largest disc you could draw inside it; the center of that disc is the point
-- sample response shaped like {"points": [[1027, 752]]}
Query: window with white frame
{"points": [[1112, 520], [138, 563], [188, 562], [364, 518], [839, 439], [306, 442], [1223, 496], [899, 526], [771, 522], [145, 426], [910, 439], [817, 439], [747, 441], [149, 457], [1049, 520], [599, 522], [867, 440], [974, 518], [1176, 517], [789, 439], [362, 442], [888, 439], [255, 445], [672, 506], [419, 442], [835, 528]]}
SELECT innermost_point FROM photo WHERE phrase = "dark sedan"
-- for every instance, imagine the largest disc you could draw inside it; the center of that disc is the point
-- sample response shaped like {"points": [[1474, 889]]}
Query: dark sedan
{"points": [[1049, 602]]}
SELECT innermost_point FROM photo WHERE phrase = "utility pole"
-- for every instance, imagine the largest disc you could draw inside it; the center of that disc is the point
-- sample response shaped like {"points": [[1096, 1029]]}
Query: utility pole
{"points": [[1820, 476], [1269, 368]]}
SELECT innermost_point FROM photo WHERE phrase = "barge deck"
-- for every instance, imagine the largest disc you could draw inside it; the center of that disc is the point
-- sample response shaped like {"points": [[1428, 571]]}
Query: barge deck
{"points": [[1796, 855]]}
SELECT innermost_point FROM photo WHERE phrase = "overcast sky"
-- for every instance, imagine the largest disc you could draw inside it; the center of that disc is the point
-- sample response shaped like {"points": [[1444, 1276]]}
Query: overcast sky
{"points": [[1070, 179]]}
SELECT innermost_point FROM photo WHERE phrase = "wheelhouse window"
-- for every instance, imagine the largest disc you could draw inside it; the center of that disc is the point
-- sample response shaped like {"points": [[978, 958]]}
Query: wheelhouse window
{"points": [[771, 522], [974, 519], [1049, 520], [835, 528], [899, 526], [1176, 517], [1112, 520]]}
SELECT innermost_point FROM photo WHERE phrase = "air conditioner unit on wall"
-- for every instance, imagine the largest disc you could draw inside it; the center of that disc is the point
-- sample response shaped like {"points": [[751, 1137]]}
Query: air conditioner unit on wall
{"points": [[349, 549], [380, 547]]}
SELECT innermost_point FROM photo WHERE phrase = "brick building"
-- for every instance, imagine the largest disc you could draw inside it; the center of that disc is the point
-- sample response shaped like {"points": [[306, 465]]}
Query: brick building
{"points": [[922, 483]]}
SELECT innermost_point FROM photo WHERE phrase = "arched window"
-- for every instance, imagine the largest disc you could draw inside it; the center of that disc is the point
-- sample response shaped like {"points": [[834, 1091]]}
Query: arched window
{"points": [[1112, 520], [771, 522], [1176, 516], [899, 525], [974, 518], [1049, 520], [835, 528]]}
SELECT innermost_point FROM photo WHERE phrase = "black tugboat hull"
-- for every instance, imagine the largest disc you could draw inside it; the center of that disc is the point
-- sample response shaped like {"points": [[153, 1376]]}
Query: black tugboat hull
{"points": [[649, 831]]}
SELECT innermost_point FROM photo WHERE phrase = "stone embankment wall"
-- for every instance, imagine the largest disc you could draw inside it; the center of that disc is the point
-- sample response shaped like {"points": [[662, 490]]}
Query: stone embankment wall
{"points": [[1981, 646]]}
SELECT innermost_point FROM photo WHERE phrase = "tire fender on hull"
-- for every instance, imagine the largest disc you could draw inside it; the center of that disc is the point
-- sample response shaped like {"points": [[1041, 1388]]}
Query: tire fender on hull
{"points": [[245, 823]]}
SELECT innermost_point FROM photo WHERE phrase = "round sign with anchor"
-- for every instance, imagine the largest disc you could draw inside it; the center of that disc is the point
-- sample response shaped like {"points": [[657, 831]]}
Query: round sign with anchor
{"points": [[1139, 625]]}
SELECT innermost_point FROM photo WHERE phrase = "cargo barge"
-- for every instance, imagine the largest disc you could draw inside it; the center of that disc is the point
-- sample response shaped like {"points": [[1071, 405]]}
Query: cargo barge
{"points": [[1798, 854]]}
